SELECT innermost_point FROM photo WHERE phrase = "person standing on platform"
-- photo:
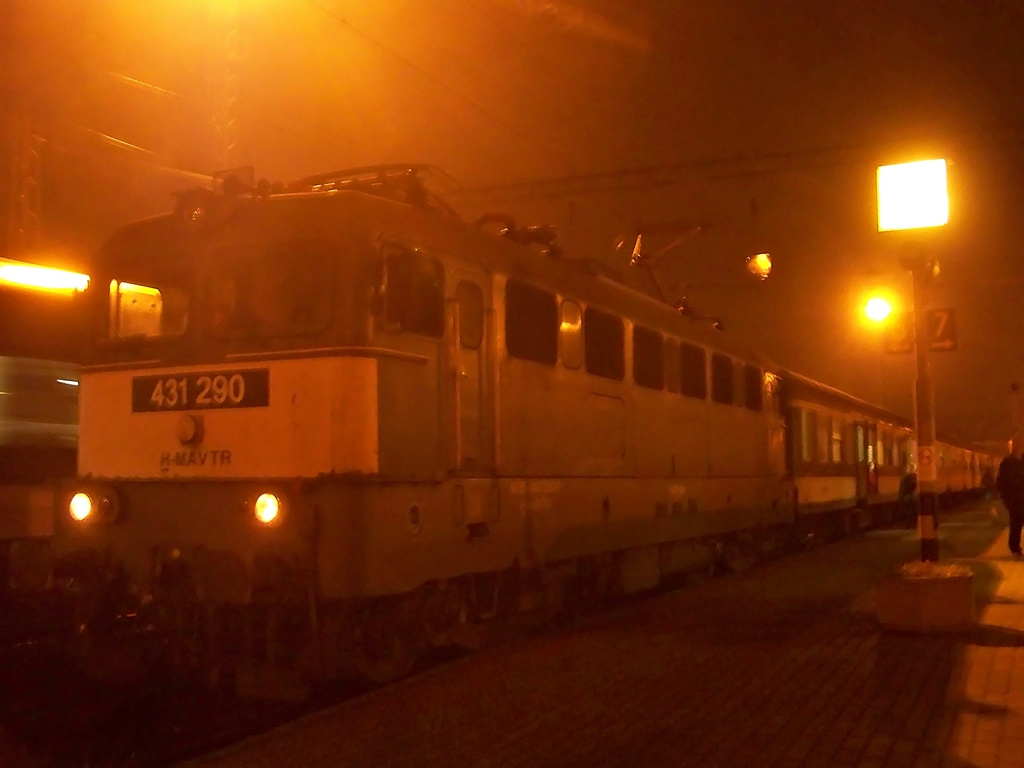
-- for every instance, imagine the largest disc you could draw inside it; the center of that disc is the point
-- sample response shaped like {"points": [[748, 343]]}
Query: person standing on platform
{"points": [[1010, 483]]}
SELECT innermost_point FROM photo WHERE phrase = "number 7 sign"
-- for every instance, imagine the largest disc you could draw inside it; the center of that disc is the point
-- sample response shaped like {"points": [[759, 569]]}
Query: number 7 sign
{"points": [[942, 330]]}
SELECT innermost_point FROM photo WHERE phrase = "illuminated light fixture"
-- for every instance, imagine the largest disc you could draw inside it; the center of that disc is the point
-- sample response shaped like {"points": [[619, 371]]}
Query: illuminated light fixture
{"points": [[267, 508], [80, 506], [69, 382], [760, 266], [32, 276], [912, 195], [877, 309]]}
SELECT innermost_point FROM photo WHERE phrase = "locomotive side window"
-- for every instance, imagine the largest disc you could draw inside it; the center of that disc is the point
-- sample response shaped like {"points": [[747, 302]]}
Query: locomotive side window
{"points": [[571, 334], [603, 344], [739, 383], [754, 392], [722, 385], [415, 293], [471, 314], [672, 369], [531, 323], [693, 364], [648, 358]]}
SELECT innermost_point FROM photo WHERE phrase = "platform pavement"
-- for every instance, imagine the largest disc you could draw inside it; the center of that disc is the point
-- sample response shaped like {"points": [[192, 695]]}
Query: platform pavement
{"points": [[783, 665]]}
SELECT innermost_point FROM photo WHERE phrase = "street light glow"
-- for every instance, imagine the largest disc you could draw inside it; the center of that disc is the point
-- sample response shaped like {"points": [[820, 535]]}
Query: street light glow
{"points": [[760, 266], [912, 195], [877, 309]]}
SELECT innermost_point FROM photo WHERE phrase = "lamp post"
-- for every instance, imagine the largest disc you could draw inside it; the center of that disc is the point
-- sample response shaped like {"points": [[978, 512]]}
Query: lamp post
{"points": [[913, 196]]}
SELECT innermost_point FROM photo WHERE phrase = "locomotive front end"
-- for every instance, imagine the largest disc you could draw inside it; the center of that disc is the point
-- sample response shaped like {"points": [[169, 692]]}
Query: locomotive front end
{"points": [[220, 397]]}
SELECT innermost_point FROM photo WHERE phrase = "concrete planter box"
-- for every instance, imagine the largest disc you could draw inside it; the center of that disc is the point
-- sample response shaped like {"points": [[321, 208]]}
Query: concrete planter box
{"points": [[927, 597]]}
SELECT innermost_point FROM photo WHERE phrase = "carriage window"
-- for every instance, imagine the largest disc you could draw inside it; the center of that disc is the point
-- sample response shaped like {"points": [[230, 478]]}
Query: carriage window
{"points": [[603, 343], [672, 368], [808, 423], [753, 390], [648, 358], [571, 334], [887, 456], [838, 428], [415, 293], [693, 364], [721, 378], [824, 437], [531, 323], [471, 314]]}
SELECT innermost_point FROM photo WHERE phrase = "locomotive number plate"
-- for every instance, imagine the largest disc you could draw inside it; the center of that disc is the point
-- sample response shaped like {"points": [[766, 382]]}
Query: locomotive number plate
{"points": [[191, 391]]}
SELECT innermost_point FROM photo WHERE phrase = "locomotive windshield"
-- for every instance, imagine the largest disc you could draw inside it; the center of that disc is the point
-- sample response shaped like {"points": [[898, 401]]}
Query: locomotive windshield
{"points": [[284, 291], [255, 285]]}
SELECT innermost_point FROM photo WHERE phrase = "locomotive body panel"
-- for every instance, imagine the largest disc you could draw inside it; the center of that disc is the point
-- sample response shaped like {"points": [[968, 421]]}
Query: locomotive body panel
{"points": [[317, 415]]}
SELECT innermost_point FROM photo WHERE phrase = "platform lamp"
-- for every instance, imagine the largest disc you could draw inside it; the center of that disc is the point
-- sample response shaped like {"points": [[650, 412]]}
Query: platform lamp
{"points": [[913, 197]]}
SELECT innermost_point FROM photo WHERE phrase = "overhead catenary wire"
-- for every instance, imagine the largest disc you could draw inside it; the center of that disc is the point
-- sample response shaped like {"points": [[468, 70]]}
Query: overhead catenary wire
{"points": [[517, 132]]}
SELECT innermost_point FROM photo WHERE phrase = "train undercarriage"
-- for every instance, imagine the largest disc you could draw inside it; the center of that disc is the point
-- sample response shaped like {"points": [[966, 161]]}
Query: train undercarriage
{"points": [[283, 645]]}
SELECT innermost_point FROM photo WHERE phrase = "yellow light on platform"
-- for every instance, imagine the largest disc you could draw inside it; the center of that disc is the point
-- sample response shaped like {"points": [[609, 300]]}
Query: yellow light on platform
{"points": [[912, 195], [31, 276], [877, 309]]}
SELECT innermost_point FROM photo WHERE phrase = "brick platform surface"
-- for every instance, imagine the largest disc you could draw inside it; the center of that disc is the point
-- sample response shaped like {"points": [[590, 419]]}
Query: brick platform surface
{"points": [[782, 665]]}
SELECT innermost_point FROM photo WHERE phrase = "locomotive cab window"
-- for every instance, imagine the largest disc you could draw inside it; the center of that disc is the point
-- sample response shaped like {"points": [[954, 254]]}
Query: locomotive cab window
{"points": [[721, 378], [648, 358], [603, 344], [531, 323], [145, 310], [414, 293]]}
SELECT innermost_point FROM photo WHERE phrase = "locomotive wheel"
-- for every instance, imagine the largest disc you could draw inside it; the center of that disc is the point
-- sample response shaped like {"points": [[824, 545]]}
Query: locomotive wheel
{"points": [[385, 650]]}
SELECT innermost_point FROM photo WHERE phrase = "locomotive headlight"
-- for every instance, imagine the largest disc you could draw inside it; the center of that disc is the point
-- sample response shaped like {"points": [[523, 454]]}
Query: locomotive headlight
{"points": [[94, 504], [267, 508], [80, 507]]}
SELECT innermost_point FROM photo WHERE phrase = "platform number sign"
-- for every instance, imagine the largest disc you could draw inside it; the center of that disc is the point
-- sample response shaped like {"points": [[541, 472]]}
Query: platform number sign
{"points": [[942, 330]]}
